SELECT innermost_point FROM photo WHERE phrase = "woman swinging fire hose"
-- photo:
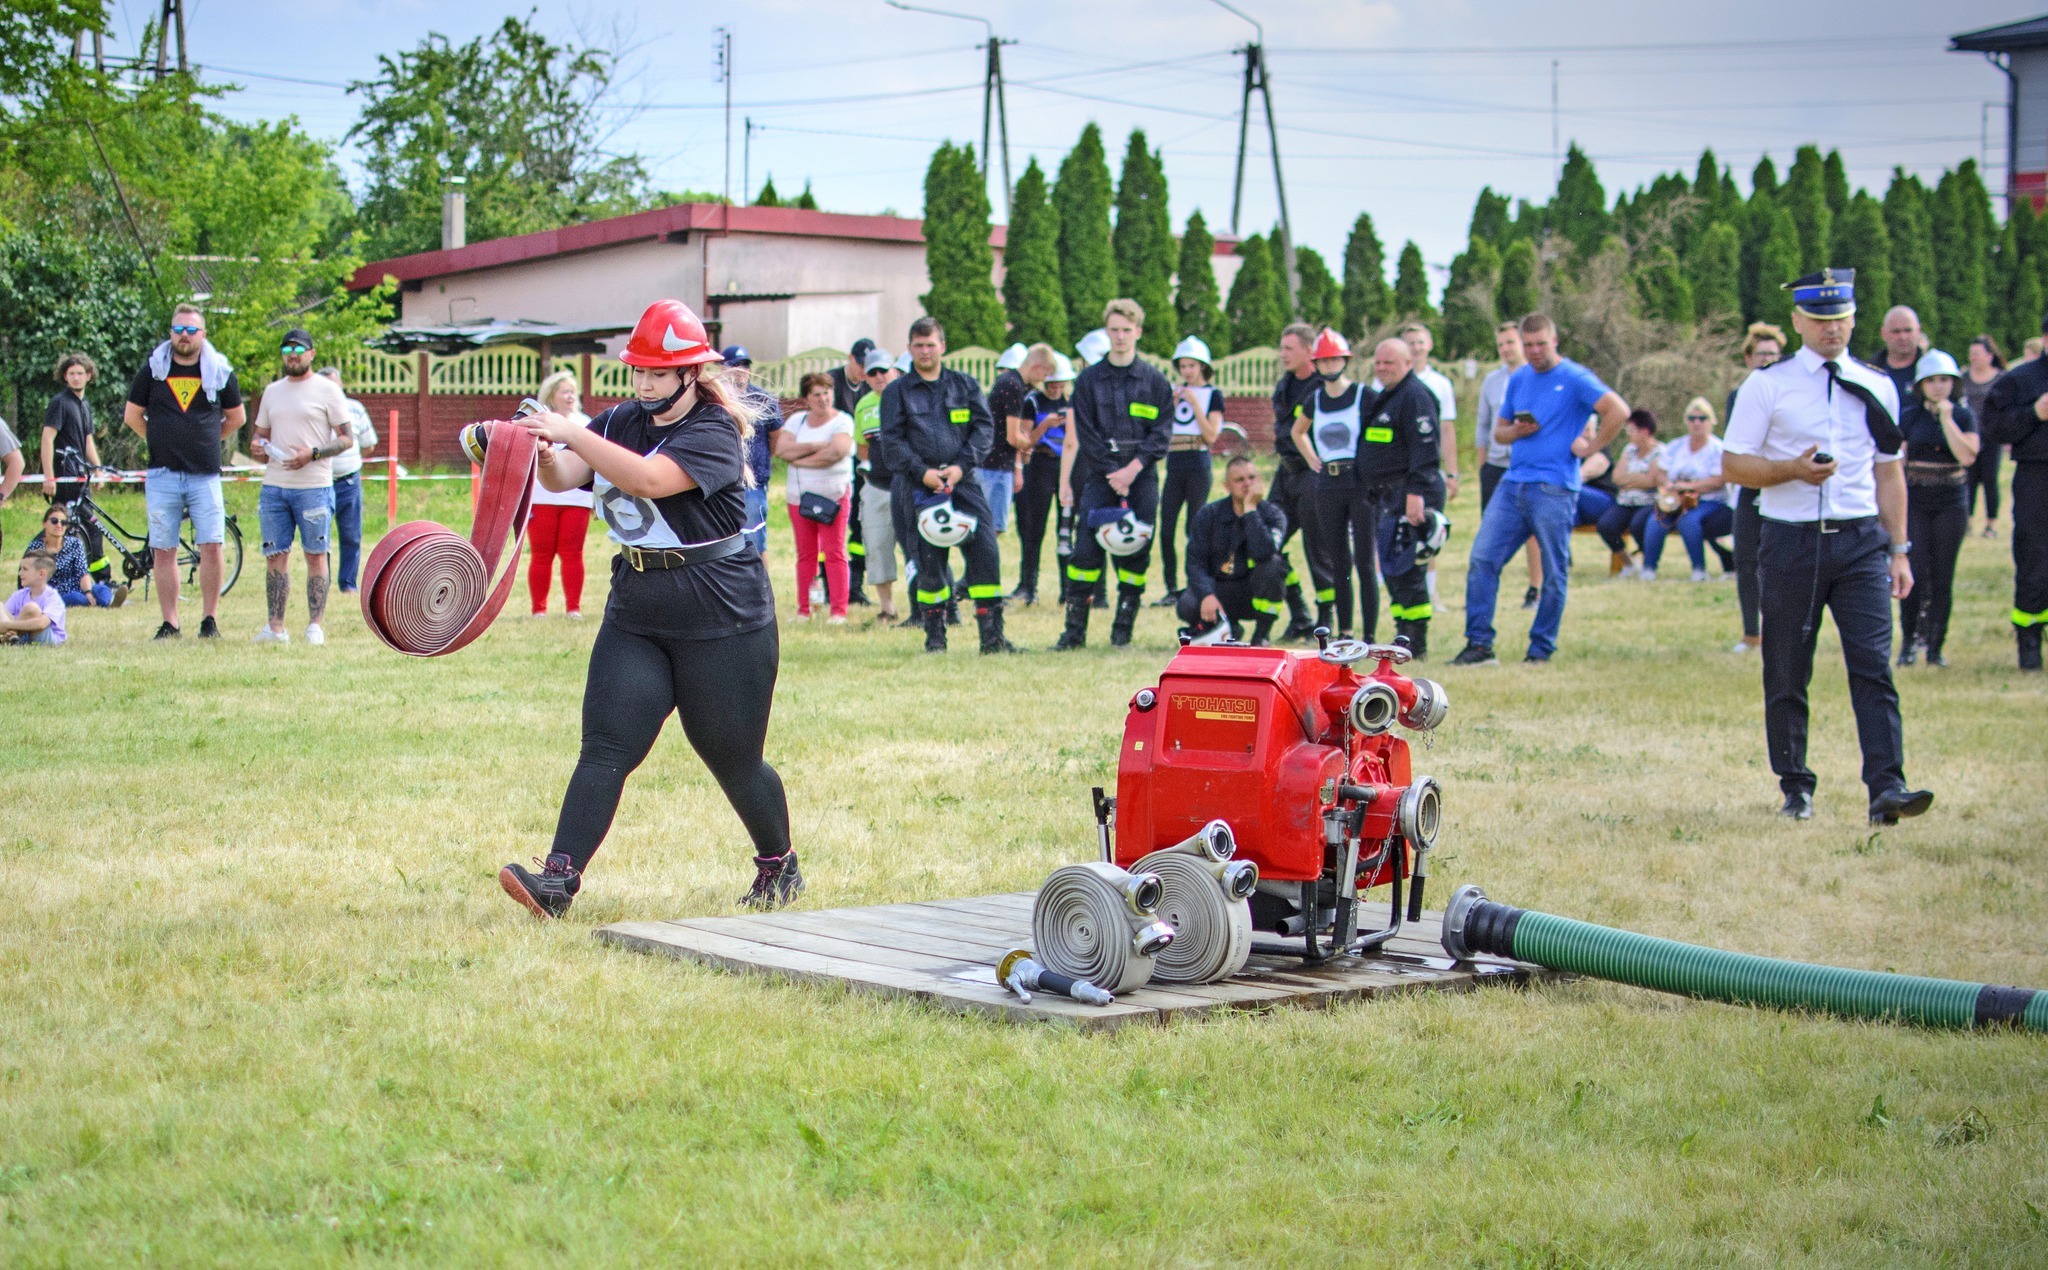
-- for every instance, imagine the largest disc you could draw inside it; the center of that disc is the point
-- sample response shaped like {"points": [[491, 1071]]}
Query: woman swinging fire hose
{"points": [[690, 625]]}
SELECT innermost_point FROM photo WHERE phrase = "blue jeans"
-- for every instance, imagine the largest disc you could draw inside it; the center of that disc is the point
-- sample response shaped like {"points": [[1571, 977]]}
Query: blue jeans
{"points": [[1519, 511], [998, 483], [755, 526], [100, 596], [308, 512], [1592, 505], [348, 525], [1708, 520], [170, 497]]}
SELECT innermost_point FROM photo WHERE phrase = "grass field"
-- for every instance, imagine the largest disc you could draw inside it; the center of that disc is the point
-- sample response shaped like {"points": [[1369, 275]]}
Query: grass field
{"points": [[265, 1004]]}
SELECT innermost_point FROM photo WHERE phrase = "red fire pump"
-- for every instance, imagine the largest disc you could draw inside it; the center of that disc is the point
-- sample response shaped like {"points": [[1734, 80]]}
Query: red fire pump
{"points": [[1296, 752]]}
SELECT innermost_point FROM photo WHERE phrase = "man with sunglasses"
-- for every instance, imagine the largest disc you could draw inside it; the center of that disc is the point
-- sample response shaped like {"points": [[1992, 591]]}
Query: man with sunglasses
{"points": [[70, 576], [183, 402], [301, 424]]}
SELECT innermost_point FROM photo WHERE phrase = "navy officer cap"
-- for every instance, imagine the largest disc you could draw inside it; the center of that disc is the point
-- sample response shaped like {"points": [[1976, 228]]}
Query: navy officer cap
{"points": [[1831, 293]]}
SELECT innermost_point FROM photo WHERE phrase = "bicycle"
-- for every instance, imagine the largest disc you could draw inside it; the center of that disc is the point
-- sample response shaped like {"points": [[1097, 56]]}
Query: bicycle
{"points": [[137, 561]]}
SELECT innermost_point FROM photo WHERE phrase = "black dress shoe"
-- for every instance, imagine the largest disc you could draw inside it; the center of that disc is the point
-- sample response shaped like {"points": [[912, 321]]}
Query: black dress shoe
{"points": [[1886, 808], [1798, 806]]}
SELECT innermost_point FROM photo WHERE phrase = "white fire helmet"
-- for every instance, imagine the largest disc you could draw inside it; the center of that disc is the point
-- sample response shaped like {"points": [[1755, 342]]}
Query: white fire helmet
{"points": [[1062, 370], [1193, 348], [944, 525], [1011, 358], [1431, 535], [1093, 347], [1125, 536]]}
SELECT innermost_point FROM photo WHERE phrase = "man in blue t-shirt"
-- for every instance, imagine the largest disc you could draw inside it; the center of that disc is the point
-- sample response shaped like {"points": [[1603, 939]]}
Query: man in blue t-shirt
{"points": [[1543, 414]]}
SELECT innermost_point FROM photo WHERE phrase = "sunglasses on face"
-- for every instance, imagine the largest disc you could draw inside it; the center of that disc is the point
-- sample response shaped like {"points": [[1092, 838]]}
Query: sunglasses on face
{"points": [[1696, 418], [187, 330], [293, 350], [58, 521]]}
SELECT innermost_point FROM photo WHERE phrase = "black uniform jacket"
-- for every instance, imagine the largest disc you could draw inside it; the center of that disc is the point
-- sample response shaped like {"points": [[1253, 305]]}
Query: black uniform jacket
{"points": [[1223, 544], [2010, 410], [1399, 440], [1122, 413], [940, 423], [1292, 397]]}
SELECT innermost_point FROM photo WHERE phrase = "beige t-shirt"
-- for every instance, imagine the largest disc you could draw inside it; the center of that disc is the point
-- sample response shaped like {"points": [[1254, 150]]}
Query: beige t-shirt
{"points": [[311, 412]]}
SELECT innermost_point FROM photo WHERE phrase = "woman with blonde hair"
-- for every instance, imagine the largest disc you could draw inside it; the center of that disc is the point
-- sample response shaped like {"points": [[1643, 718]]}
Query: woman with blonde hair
{"points": [[559, 522], [1692, 497]]}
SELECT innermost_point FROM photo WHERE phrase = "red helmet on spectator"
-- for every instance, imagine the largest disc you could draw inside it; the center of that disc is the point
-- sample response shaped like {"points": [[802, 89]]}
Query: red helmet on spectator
{"points": [[1329, 344], [669, 335]]}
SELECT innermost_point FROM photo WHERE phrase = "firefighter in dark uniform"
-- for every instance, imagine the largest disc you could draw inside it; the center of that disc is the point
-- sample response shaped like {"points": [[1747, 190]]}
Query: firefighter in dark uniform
{"points": [[1817, 436], [1123, 426], [1235, 570], [935, 428], [849, 385], [1400, 468], [2018, 416], [1292, 396]]}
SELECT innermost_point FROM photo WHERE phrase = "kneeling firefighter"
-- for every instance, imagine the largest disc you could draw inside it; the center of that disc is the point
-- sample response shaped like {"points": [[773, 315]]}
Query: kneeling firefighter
{"points": [[1236, 572], [1123, 423], [935, 429]]}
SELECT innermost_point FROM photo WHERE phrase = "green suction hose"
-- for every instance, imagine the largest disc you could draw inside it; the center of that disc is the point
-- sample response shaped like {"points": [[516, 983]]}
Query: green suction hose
{"points": [[1475, 924]]}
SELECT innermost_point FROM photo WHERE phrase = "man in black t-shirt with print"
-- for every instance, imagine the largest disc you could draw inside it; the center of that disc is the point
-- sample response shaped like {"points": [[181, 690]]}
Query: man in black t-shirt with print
{"points": [[184, 401]]}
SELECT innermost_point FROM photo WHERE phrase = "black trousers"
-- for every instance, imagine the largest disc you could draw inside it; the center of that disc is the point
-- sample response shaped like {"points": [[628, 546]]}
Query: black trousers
{"points": [[1342, 533], [721, 689], [1937, 521], [856, 541], [984, 559], [1847, 574], [88, 532], [1293, 492], [1035, 501], [1244, 597], [1984, 476], [2030, 544], [1489, 481], [1186, 486], [1085, 566], [1749, 528]]}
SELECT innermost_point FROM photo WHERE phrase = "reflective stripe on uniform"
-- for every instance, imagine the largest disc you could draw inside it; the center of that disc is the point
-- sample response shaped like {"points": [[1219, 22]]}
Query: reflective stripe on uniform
{"points": [[1269, 607], [939, 596], [1128, 578], [1411, 613], [2030, 619], [856, 549], [1326, 595], [1077, 574], [1379, 434], [1293, 578], [986, 591]]}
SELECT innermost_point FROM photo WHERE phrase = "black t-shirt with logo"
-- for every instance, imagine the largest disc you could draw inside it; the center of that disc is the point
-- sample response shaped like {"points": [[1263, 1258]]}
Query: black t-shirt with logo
{"points": [[182, 425], [713, 600], [1005, 398]]}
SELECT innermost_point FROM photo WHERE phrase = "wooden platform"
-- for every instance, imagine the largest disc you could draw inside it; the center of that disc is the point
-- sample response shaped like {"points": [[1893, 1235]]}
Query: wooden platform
{"points": [[945, 952]]}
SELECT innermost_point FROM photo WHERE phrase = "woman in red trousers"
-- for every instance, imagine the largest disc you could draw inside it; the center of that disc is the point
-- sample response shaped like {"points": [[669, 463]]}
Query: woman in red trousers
{"points": [[558, 523]]}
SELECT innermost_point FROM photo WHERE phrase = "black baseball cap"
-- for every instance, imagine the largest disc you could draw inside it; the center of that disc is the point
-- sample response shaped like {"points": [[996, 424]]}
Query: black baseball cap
{"points": [[860, 350], [297, 335]]}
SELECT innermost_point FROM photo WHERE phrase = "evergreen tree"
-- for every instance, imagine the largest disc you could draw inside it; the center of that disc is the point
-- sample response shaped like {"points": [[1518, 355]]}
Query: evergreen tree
{"points": [[956, 250], [806, 200], [1667, 293], [1715, 270], [1087, 261], [1196, 300], [1777, 264], [1411, 285], [1517, 296], [1469, 312], [1579, 211], [1031, 265], [1906, 222], [1706, 181], [1367, 301], [1863, 244], [1758, 216], [1960, 217], [768, 197], [1763, 178], [1805, 196], [1321, 302], [1835, 178], [1490, 217], [1143, 242], [2020, 274], [1254, 308]]}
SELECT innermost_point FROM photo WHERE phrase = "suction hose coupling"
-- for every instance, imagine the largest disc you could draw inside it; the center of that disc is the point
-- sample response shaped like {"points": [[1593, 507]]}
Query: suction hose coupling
{"points": [[1475, 925]]}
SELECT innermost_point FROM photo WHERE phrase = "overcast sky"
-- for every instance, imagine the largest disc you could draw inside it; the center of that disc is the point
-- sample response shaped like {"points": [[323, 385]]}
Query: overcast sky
{"points": [[1401, 109]]}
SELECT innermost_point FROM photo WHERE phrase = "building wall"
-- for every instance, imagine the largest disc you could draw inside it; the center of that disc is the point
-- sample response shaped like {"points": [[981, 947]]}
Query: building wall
{"points": [[2030, 144]]}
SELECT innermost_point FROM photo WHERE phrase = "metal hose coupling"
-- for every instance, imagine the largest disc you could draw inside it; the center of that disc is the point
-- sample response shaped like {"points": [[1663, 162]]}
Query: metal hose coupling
{"points": [[1214, 841], [1432, 703], [1206, 905], [1023, 976], [1374, 707], [1097, 922]]}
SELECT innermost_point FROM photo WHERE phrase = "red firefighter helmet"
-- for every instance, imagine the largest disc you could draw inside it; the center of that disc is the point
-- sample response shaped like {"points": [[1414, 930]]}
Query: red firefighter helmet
{"points": [[669, 335], [1329, 344]]}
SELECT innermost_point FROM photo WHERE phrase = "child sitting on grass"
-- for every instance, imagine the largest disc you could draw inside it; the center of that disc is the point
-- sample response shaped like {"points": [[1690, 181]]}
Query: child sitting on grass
{"points": [[34, 614]]}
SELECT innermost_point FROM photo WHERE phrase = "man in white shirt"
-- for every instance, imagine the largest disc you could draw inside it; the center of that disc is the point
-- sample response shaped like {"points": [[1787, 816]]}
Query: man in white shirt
{"points": [[1817, 434], [301, 426]]}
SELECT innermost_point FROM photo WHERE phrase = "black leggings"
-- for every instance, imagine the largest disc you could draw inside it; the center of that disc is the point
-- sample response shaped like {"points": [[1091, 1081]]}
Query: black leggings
{"points": [[722, 689], [1034, 512], [1937, 521], [1984, 476], [1186, 486]]}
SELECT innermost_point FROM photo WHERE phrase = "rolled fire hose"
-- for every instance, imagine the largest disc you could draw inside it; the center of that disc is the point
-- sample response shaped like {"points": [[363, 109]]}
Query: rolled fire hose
{"points": [[1203, 896], [1096, 922], [426, 590], [1475, 924]]}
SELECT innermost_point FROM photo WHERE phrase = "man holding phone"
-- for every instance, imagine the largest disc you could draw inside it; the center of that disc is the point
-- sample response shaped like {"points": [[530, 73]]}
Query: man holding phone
{"points": [[1542, 420]]}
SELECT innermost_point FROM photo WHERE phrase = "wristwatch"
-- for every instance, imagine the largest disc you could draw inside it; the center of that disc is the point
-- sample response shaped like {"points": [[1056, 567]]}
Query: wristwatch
{"points": [[1902, 548]]}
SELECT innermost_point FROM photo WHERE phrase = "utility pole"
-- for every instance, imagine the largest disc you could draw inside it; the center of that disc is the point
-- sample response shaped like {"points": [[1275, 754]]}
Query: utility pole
{"points": [[721, 62], [1257, 79], [993, 105], [1556, 161], [172, 17], [747, 158]]}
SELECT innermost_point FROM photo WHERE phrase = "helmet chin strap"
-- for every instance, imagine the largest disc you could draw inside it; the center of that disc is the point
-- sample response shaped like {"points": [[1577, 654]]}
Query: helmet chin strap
{"points": [[687, 377]]}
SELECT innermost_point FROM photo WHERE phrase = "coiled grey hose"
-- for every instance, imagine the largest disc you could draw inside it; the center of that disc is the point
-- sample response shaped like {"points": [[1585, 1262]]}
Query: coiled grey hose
{"points": [[1097, 922], [1203, 896]]}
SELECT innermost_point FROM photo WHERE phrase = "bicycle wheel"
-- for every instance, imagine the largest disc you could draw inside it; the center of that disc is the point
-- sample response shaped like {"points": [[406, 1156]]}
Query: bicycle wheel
{"points": [[230, 556]]}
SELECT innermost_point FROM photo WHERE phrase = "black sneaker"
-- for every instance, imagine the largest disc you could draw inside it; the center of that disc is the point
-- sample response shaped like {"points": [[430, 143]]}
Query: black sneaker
{"points": [[1798, 806], [1530, 596], [167, 631], [1535, 659], [777, 882], [1476, 655], [208, 628], [547, 893], [859, 598], [1167, 601]]}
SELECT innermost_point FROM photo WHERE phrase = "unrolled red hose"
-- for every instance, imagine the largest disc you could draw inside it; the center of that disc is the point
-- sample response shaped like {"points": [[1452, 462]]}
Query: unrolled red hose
{"points": [[426, 590]]}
